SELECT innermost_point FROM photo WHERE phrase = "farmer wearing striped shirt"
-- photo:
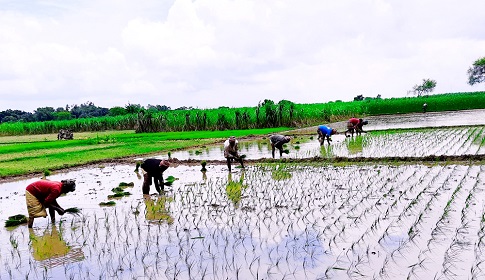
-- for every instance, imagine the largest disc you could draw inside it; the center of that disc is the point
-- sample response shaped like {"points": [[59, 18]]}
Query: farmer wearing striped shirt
{"points": [[42, 194], [325, 132]]}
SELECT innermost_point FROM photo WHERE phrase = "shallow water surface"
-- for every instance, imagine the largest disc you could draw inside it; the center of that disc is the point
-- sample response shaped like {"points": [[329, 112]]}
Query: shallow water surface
{"points": [[448, 141], [293, 221], [432, 119]]}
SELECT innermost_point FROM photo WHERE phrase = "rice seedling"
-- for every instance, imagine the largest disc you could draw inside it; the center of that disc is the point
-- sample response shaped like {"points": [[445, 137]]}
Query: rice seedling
{"points": [[16, 220], [108, 203], [73, 210], [169, 180], [46, 173]]}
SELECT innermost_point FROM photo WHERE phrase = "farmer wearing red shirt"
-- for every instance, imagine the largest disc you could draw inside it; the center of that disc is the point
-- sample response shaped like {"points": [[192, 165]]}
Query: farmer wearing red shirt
{"points": [[355, 124], [42, 194]]}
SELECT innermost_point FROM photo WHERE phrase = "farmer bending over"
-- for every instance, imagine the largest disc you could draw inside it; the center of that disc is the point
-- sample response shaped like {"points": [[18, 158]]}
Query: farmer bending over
{"points": [[355, 124], [230, 152], [154, 169], [42, 194], [325, 132], [277, 141]]}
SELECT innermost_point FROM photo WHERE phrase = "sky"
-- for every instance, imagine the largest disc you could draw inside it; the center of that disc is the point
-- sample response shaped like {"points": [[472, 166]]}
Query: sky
{"points": [[235, 53]]}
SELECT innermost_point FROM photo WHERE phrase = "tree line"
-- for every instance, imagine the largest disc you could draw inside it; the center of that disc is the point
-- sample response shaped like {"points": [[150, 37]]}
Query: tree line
{"points": [[86, 110]]}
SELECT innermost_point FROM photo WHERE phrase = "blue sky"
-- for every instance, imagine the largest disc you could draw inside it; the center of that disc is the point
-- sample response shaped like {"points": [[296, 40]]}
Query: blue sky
{"points": [[211, 53]]}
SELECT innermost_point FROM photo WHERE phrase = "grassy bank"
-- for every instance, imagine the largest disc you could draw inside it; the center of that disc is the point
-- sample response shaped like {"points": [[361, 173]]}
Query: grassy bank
{"points": [[263, 116], [31, 154]]}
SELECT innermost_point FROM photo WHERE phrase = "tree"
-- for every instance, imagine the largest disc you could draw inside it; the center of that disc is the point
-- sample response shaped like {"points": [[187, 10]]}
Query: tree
{"points": [[133, 108], [426, 87], [16, 115], [63, 115], [88, 110], [476, 73], [359, 97], [44, 114], [158, 107], [117, 111]]}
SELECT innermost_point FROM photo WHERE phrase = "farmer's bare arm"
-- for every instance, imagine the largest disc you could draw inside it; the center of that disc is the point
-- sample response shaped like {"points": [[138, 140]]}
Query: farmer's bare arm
{"points": [[55, 206]]}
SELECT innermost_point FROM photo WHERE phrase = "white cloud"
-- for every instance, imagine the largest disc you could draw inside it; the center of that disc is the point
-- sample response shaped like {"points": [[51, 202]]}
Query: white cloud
{"points": [[211, 53]]}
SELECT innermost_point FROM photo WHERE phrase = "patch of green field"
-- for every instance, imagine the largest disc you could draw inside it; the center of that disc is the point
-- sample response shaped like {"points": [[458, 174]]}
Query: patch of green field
{"points": [[30, 154]]}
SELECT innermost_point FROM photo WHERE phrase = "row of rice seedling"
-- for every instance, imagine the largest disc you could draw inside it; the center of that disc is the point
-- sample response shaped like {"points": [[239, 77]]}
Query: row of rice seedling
{"points": [[269, 221], [401, 143], [420, 143], [440, 241]]}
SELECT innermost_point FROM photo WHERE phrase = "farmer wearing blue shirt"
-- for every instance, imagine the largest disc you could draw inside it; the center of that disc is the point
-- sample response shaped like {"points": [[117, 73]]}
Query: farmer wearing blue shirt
{"points": [[325, 132]]}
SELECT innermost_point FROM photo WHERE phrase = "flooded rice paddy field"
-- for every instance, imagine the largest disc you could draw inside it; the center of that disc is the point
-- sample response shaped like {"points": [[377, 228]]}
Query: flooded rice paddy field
{"points": [[415, 120], [448, 141], [431, 119], [279, 221], [287, 221]]}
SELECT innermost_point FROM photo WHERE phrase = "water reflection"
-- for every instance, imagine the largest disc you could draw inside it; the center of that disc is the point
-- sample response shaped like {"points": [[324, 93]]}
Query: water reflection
{"points": [[326, 151], [51, 249], [157, 210], [354, 145], [430, 119], [234, 188], [419, 143]]}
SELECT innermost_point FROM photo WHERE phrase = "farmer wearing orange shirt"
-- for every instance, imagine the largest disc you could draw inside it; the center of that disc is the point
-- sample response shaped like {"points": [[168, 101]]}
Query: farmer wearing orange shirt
{"points": [[42, 194]]}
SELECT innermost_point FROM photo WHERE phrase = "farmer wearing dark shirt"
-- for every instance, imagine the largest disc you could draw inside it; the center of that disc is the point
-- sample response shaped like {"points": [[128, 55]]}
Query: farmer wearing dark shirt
{"points": [[154, 169], [231, 152], [355, 124], [277, 141], [42, 194], [325, 132]]}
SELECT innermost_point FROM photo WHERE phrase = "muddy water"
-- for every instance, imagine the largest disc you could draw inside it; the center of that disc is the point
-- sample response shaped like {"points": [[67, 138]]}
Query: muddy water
{"points": [[300, 221]]}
